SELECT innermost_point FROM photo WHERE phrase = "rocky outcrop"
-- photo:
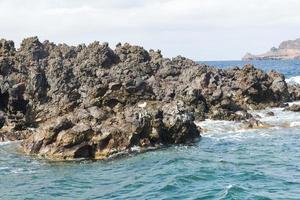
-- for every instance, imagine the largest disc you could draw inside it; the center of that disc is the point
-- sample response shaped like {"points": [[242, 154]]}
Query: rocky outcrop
{"points": [[294, 108], [98, 133], [254, 123], [294, 90], [287, 50], [94, 102]]}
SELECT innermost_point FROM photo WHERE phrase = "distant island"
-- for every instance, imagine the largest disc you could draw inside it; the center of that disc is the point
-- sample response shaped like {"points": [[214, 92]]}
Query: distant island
{"points": [[287, 50]]}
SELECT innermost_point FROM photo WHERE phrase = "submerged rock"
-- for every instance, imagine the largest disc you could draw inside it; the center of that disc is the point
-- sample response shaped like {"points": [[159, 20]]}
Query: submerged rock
{"points": [[94, 102], [254, 123]]}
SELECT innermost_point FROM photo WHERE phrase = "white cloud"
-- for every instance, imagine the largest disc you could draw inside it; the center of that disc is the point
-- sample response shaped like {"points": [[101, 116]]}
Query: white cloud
{"points": [[200, 29]]}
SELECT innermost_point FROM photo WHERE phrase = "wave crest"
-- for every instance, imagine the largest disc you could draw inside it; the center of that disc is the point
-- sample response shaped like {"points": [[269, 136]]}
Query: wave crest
{"points": [[293, 80]]}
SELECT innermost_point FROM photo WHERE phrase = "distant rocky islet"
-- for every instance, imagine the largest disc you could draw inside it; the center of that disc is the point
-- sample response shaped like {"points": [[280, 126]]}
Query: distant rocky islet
{"points": [[93, 102], [287, 50]]}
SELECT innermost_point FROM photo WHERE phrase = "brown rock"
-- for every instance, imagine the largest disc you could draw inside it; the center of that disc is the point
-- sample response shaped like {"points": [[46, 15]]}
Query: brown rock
{"points": [[294, 108]]}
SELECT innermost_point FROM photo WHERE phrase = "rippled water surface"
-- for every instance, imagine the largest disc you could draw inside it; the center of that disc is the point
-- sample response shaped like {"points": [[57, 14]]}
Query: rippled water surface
{"points": [[288, 67], [229, 162]]}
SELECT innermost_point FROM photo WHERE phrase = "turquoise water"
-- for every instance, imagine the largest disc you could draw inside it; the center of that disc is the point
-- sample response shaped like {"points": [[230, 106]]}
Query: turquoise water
{"points": [[229, 162]]}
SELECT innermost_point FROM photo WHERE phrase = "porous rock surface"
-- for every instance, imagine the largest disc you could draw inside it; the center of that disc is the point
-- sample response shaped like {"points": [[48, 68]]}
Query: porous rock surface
{"points": [[294, 90], [91, 101]]}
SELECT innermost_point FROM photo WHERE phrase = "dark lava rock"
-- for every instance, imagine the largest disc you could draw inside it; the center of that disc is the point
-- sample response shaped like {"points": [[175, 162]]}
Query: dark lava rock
{"points": [[14, 135], [147, 125], [2, 119], [294, 90], [294, 108], [90, 101], [270, 113], [254, 123], [228, 115]]}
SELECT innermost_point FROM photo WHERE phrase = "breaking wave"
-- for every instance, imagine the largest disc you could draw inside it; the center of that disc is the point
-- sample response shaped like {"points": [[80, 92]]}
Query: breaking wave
{"points": [[237, 130], [293, 80]]}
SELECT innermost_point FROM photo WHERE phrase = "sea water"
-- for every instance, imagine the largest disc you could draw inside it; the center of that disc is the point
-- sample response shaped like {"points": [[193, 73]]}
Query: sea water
{"points": [[229, 162]]}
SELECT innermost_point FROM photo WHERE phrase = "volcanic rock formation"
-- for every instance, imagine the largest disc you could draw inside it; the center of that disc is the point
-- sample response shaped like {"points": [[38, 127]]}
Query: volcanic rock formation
{"points": [[68, 102]]}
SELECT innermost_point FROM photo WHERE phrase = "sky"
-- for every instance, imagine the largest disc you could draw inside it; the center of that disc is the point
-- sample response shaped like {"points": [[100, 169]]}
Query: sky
{"points": [[197, 29]]}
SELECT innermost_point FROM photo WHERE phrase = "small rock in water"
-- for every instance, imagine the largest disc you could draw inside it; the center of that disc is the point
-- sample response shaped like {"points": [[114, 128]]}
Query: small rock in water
{"points": [[257, 116], [254, 123], [283, 105], [270, 113]]}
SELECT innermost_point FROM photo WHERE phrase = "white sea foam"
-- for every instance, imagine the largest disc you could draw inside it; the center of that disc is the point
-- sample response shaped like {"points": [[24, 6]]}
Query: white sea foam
{"points": [[222, 129], [293, 80], [237, 131], [5, 143], [295, 124], [281, 118], [228, 187], [294, 102], [135, 148]]}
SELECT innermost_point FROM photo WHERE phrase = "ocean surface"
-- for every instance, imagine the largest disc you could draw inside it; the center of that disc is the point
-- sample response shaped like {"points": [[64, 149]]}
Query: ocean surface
{"points": [[229, 162]]}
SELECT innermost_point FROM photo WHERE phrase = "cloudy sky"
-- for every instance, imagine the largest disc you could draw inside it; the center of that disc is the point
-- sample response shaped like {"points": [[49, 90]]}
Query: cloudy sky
{"points": [[198, 29]]}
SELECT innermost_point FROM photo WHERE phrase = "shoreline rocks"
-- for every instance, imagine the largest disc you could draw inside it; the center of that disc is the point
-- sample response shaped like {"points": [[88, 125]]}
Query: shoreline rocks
{"points": [[294, 90], [294, 108], [91, 101], [80, 135]]}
